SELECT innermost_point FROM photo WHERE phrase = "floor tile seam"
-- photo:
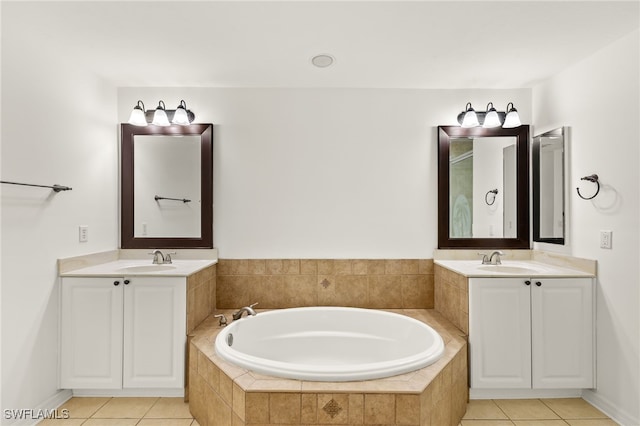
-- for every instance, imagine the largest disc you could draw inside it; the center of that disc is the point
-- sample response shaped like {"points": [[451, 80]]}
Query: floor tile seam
{"points": [[531, 419], [503, 412], [99, 408], [574, 418], [550, 408], [149, 409]]}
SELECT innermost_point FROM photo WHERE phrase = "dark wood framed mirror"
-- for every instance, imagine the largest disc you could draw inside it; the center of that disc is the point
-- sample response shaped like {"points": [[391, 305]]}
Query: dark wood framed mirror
{"points": [[166, 183], [483, 188]]}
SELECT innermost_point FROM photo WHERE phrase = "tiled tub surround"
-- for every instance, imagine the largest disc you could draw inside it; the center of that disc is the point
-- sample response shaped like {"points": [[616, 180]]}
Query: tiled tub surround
{"points": [[451, 297], [224, 394], [363, 283], [201, 296]]}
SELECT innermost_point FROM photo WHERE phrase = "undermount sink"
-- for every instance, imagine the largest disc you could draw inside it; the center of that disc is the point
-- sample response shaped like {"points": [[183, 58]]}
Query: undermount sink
{"points": [[147, 268], [508, 269]]}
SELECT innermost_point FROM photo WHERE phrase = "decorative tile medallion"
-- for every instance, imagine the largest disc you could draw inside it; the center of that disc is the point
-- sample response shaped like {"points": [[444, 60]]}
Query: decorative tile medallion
{"points": [[325, 283], [332, 408]]}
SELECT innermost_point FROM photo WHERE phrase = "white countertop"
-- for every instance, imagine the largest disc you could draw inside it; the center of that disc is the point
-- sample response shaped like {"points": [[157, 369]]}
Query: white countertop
{"points": [[510, 268], [141, 267]]}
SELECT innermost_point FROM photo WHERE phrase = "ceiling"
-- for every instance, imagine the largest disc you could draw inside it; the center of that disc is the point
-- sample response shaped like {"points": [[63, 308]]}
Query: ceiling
{"points": [[393, 44]]}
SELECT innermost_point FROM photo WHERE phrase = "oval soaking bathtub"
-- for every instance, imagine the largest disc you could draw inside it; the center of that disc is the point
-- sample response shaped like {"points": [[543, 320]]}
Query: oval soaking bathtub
{"points": [[333, 344]]}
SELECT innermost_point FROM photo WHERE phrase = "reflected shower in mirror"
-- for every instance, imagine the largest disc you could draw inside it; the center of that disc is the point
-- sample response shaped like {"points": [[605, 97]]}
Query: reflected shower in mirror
{"points": [[483, 187], [548, 152], [477, 167]]}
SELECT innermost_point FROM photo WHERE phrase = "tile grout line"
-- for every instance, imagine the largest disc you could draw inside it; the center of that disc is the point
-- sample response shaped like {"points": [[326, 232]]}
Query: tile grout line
{"points": [[150, 408], [503, 412], [554, 411]]}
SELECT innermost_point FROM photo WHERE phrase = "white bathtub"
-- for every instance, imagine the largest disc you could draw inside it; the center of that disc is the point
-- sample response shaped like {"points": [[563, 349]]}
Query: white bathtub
{"points": [[329, 344]]}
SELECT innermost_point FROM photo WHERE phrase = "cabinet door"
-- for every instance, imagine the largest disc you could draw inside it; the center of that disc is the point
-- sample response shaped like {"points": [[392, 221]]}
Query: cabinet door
{"points": [[562, 332], [500, 333], [91, 333], [154, 332]]}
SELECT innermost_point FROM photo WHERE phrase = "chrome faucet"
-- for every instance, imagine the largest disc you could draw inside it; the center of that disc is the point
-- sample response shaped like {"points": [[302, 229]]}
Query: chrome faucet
{"points": [[489, 259], [248, 309], [157, 255], [160, 259], [497, 254]]}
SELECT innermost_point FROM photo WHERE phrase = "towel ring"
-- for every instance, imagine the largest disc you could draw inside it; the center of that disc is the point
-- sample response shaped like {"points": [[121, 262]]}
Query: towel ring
{"points": [[591, 178], [486, 197]]}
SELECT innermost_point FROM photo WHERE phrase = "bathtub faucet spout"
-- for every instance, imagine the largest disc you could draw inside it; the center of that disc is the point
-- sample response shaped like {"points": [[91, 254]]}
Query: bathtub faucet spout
{"points": [[248, 309]]}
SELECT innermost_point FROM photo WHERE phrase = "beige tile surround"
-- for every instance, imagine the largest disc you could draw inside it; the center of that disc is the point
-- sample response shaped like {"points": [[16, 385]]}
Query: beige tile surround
{"points": [[451, 297], [224, 394], [284, 283], [201, 296]]}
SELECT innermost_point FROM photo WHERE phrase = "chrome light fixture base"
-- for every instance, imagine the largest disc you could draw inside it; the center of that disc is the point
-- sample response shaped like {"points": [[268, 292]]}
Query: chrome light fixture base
{"points": [[490, 118], [142, 117]]}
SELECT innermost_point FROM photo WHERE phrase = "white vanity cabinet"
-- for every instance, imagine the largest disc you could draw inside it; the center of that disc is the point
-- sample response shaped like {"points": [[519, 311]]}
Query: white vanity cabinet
{"points": [[531, 333], [122, 332]]}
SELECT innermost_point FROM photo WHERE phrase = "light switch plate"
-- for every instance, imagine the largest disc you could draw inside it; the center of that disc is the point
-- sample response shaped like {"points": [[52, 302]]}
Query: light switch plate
{"points": [[605, 239], [83, 233]]}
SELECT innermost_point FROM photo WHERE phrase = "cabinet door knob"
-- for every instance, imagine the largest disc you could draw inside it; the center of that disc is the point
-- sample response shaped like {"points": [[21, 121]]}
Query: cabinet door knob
{"points": [[527, 282], [538, 283], [126, 282], [116, 283]]}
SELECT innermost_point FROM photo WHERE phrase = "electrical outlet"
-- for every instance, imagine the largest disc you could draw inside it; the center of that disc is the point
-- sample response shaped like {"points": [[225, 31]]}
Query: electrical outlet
{"points": [[605, 239], [144, 228], [83, 233]]}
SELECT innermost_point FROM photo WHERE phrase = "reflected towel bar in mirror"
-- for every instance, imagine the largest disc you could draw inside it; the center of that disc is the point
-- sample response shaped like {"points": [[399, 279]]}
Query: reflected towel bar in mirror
{"points": [[184, 200], [493, 200]]}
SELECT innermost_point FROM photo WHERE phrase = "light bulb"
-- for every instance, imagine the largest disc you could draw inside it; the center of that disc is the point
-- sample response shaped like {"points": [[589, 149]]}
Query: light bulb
{"points": [[512, 119], [470, 119], [160, 116], [137, 117], [180, 117]]}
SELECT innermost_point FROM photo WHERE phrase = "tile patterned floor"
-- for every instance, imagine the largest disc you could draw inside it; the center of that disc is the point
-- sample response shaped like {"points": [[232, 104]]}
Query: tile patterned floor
{"points": [[534, 412], [92, 411], [174, 412]]}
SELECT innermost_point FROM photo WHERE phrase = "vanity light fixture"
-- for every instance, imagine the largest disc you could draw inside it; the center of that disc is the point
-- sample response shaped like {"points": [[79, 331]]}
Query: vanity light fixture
{"points": [[161, 116], [489, 118]]}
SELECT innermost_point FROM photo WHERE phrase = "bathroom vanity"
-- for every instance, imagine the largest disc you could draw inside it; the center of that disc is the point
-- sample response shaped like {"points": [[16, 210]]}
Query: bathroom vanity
{"points": [[531, 326], [123, 327]]}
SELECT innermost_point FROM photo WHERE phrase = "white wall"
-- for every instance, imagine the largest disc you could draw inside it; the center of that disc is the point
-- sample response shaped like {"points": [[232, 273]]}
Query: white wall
{"points": [[316, 173], [599, 99], [58, 126]]}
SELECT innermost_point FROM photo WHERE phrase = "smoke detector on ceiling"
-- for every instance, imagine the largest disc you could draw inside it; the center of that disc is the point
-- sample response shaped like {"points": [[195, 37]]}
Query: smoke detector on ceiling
{"points": [[323, 60]]}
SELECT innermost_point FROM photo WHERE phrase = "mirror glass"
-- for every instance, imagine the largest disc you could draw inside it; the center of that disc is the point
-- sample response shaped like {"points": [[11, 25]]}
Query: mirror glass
{"points": [[166, 190], [548, 150], [483, 187], [167, 186]]}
